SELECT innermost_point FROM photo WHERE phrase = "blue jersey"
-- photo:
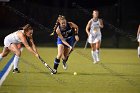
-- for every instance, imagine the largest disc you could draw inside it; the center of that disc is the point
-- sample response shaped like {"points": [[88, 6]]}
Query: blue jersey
{"points": [[68, 32], [68, 35]]}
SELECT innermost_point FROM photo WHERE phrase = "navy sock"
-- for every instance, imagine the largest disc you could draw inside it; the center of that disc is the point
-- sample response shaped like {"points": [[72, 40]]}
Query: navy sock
{"points": [[64, 60], [56, 63]]}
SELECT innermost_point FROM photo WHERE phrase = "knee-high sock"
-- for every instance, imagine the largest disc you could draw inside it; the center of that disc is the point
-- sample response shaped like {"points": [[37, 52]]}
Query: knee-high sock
{"points": [[15, 61], [93, 54], [138, 50], [97, 55], [56, 63], [1, 57]]}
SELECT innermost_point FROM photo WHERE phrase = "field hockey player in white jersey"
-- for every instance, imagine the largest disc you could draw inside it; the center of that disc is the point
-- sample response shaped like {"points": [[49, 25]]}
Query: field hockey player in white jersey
{"points": [[12, 41], [93, 30]]}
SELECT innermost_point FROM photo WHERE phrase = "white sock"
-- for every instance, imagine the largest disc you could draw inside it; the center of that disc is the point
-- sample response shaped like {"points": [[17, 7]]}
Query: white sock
{"points": [[138, 50], [21, 49], [97, 55], [1, 57], [93, 54], [16, 60]]}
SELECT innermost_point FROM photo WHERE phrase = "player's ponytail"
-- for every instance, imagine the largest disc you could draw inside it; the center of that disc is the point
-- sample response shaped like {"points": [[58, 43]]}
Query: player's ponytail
{"points": [[60, 17], [55, 26], [27, 27]]}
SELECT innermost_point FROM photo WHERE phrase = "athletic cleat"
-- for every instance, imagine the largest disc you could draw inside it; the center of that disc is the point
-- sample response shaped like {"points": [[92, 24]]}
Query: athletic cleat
{"points": [[95, 62], [65, 66], [16, 70], [54, 71], [138, 56], [97, 59]]}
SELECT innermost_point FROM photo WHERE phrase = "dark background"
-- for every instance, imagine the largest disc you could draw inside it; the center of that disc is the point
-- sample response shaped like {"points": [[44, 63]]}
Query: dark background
{"points": [[121, 19]]}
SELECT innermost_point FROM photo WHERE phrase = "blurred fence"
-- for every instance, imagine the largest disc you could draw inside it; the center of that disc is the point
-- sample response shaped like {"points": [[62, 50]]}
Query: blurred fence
{"points": [[10, 21]]}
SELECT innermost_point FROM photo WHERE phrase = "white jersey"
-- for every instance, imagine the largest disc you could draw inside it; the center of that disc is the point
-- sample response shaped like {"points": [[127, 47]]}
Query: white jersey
{"points": [[12, 38], [94, 28], [95, 32]]}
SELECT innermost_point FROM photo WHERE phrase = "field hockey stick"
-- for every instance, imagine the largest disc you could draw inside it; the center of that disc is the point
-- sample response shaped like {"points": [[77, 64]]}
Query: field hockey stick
{"points": [[86, 44], [72, 47], [46, 65], [71, 50]]}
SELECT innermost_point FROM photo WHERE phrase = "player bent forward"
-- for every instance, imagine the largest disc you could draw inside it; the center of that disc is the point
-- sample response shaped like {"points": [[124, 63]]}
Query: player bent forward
{"points": [[12, 41]]}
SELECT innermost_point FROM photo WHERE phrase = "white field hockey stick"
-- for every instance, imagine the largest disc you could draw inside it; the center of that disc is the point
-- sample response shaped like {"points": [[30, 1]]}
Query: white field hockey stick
{"points": [[46, 65], [86, 44]]}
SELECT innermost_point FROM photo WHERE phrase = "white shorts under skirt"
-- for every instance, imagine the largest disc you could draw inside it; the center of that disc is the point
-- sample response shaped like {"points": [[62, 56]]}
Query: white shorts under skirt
{"points": [[8, 41]]}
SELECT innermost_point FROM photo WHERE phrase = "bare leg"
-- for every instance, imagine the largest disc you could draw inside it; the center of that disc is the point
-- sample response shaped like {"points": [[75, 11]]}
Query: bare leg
{"points": [[59, 55], [65, 57], [98, 44], [17, 52], [97, 50], [4, 53], [60, 51], [93, 52], [139, 50], [15, 49]]}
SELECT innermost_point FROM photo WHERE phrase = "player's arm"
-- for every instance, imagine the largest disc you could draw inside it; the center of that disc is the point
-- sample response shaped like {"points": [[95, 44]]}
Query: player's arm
{"points": [[101, 25], [76, 29], [25, 43], [32, 44], [88, 27], [138, 32], [73, 25], [61, 37]]}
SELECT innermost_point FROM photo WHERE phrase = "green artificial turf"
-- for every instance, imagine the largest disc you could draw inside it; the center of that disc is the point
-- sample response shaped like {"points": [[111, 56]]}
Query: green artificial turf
{"points": [[117, 72]]}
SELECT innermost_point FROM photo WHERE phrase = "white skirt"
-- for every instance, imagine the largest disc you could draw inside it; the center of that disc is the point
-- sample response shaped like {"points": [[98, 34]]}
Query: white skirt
{"points": [[9, 40], [94, 37]]}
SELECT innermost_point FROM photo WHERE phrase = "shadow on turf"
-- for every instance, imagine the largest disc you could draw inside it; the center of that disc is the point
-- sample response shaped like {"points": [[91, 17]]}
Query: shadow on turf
{"points": [[97, 74], [68, 73], [71, 73], [122, 63], [60, 81], [35, 72]]}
